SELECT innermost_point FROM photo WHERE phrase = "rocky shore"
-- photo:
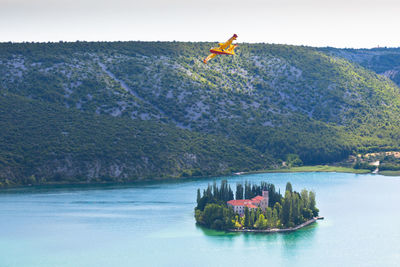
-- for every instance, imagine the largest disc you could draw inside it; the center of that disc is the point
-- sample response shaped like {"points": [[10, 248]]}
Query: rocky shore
{"points": [[278, 230]]}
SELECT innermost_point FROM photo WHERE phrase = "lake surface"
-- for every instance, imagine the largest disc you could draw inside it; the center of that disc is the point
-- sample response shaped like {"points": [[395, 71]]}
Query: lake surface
{"points": [[152, 224]]}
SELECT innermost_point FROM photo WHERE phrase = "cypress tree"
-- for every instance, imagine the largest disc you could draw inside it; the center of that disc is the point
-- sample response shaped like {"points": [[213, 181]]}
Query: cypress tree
{"points": [[312, 203], [246, 217], [289, 187], [215, 190], [295, 208], [247, 190], [239, 191], [305, 198], [287, 209], [274, 218], [198, 195], [252, 218], [230, 193]]}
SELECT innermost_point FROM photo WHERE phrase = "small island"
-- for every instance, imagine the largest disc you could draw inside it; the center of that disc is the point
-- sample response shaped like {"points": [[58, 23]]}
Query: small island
{"points": [[255, 208]]}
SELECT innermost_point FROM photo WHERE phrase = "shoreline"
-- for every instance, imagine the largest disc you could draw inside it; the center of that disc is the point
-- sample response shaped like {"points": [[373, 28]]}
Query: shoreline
{"points": [[389, 173], [314, 168], [311, 168], [278, 230]]}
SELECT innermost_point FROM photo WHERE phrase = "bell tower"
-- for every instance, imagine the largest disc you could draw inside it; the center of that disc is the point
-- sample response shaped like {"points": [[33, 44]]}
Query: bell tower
{"points": [[265, 201]]}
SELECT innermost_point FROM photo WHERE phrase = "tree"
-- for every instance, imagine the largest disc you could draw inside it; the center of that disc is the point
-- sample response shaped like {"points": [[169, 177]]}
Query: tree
{"points": [[252, 218], [239, 191], [238, 222], [198, 195], [215, 190], [229, 218], [289, 187], [313, 203], [296, 215], [247, 190], [246, 217], [268, 217], [230, 193], [261, 222], [275, 218], [278, 208], [211, 213], [307, 213], [287, 209], [305, 199], [293, 160]]}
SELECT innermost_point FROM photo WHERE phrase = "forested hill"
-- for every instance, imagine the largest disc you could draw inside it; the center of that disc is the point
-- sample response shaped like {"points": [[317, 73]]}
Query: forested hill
{"points": [[122, 111], [385, 61]]}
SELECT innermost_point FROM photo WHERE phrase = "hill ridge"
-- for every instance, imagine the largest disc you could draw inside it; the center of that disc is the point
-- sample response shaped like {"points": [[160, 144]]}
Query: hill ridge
{"points": [[270, 100]]}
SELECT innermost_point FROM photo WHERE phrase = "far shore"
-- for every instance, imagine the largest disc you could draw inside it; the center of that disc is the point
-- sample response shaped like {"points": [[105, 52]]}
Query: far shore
{"points": [[323, 168], [278, 230], [389, 173], [315, 168]]}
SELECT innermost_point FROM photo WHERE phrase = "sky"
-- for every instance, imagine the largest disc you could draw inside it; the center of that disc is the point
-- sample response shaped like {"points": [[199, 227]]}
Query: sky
{"points": [[336, 23]]}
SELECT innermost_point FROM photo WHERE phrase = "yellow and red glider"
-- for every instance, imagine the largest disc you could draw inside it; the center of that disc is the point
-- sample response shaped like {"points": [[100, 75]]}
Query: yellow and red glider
{"points": [[226, 48]]}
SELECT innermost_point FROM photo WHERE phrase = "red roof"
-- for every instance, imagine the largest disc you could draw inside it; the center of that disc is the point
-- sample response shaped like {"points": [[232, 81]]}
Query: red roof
{"points": [[242, 202], [257, 199], [239, 202]]}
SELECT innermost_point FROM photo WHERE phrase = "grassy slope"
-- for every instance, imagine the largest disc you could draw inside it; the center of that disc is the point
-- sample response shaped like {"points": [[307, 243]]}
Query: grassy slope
{"points": [[320, 168]]}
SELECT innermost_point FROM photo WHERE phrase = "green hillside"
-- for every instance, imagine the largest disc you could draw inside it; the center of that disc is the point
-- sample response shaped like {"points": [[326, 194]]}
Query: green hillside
{"points": [[111, 103], [385, 61], [44, 143]]}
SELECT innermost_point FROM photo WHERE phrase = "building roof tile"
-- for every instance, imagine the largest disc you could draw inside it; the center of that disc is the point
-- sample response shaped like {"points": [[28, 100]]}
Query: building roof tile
{"points": [[257, 199]]}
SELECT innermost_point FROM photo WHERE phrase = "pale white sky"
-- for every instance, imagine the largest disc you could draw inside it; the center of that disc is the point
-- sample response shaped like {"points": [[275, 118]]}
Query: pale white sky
{"points": [[338, 23]]}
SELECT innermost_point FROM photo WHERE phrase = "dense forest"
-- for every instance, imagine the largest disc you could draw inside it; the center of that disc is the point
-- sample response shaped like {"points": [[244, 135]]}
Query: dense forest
{"points": [[286, 211], [37, 140], [124, 111]]}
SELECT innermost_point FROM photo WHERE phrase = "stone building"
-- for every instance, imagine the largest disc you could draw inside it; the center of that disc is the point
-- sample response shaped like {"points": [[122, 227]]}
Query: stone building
{"points": [[256, 202]]}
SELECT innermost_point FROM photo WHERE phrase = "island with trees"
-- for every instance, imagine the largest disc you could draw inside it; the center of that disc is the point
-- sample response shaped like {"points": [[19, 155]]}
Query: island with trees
{"points": [[255, 208]]}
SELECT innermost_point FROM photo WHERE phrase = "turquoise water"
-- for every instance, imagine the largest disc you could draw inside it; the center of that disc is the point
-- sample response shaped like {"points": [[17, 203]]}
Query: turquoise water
{"points": [[152, 224]]}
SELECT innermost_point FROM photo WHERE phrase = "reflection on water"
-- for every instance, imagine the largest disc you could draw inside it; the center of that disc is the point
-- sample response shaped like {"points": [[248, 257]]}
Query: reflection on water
{"points": [[294, 243], [213, 233]]}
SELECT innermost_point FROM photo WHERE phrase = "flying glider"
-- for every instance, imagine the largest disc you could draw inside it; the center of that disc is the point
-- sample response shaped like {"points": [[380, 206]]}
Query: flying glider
{"points": [[226, 48]]}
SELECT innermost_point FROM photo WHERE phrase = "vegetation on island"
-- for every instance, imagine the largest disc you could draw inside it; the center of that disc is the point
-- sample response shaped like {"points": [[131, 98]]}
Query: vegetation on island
{"points": [[289, 210], [83, 112]]}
